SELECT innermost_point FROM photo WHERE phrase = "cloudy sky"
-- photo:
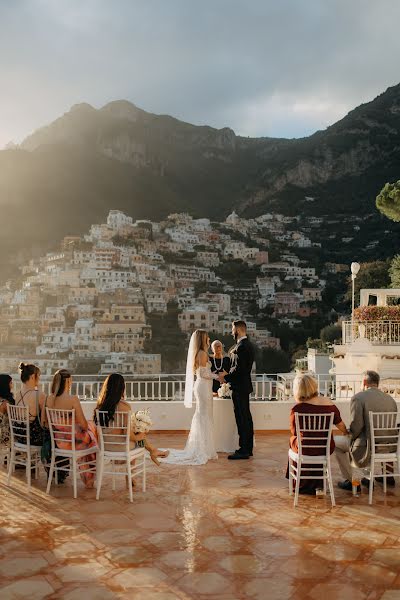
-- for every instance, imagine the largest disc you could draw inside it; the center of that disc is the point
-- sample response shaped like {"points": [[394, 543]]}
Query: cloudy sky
{"points": [[263, 67]]}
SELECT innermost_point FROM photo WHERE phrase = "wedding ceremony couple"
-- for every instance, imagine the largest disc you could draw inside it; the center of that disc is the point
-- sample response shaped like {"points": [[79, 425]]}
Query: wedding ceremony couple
{"points": [[205, 440]]}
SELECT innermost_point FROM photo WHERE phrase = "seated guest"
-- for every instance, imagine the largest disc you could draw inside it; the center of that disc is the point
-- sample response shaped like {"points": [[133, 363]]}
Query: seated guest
{"points": [[219, 363], [85, 431], [309, 401], [358, 443], [111, 400], [6, 397], [34, 399]]}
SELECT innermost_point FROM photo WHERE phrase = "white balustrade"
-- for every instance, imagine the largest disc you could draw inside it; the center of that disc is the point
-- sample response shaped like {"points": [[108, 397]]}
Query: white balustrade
{"points": [[169, 387], [377, 332]]}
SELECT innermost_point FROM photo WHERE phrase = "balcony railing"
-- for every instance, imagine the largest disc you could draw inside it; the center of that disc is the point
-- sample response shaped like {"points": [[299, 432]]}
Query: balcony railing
{"points": [[377, 332], [164, 387], [302, 364]]}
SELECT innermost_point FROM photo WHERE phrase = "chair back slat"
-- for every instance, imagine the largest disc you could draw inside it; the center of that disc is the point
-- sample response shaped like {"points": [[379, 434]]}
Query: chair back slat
{"points": [[61, 426], [18, 417], [314, 431], [113, 431], [385, 432]]}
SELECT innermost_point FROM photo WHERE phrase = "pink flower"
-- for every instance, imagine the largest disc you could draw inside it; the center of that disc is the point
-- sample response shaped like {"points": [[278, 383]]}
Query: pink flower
{"points": [[377, 313]]}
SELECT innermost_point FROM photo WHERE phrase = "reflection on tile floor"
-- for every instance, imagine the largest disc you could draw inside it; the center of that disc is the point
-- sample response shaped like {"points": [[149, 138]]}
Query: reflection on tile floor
{"points": [[224, 530]]}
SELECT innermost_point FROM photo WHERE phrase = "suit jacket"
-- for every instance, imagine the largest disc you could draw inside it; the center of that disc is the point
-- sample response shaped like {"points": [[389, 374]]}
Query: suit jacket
{"points": [[370, 400], [242, 364]]}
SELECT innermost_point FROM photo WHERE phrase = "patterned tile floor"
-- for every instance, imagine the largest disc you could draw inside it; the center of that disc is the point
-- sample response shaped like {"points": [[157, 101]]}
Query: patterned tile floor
{"points": [[226, 530]]}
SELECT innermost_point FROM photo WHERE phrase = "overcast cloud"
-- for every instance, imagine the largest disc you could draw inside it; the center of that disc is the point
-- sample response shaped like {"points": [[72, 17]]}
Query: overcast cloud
{"points": [[263, 67]]}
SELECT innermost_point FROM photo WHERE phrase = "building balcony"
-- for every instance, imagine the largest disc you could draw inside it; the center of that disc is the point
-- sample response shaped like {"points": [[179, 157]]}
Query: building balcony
{"points": [[378, 332]]}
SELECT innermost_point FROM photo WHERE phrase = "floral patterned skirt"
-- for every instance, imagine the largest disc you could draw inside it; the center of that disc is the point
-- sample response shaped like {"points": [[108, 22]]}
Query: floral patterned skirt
{"points": [[5, 435], [84, 438]]}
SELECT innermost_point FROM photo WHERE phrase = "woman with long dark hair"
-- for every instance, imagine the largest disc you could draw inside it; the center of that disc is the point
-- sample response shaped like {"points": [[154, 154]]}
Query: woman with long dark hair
{"points": [[31, 396], [111, 400], [6, 397], [85, 435]]}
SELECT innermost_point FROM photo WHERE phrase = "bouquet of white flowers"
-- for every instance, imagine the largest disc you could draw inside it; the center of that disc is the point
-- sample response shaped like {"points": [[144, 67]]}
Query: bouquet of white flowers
{"points": [[141, 423], [225, 390]]}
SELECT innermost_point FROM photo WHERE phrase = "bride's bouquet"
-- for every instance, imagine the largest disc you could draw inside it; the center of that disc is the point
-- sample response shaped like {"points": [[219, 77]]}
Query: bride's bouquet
{"points": [[141, 423], [225, 390]]}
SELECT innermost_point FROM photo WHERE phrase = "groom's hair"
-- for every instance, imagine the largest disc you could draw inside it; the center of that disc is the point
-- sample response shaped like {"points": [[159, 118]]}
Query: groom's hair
{"points": [[240, 323]]}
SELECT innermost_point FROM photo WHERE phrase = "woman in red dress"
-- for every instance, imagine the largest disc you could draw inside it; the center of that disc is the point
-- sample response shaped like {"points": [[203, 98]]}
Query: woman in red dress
{"points": [[309, 401]]}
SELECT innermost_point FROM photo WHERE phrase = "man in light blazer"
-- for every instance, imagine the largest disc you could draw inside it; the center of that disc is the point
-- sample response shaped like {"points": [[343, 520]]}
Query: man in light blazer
{"points": [[371, 399]]}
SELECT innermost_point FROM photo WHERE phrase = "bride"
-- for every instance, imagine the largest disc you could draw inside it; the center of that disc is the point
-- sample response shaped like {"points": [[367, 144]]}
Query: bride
{"points": [[200, 445]]}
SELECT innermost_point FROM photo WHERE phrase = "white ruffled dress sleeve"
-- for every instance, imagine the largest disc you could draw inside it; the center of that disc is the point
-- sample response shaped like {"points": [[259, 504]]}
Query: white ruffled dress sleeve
{"points": [[205, 373]]}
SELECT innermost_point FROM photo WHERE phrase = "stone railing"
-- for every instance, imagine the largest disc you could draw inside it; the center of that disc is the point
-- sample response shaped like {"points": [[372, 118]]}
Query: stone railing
{"points": [[164, 387], [377, 332]]}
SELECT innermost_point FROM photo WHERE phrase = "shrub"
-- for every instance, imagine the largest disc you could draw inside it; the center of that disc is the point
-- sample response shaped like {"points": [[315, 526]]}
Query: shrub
{"points": [[377, 313]]}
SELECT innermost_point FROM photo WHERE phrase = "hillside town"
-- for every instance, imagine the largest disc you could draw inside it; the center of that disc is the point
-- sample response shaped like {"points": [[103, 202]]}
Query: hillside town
{"points": [[89, 305]]}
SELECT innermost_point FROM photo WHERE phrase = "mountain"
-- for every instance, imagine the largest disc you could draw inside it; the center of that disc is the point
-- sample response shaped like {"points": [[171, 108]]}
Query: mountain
{"points": [[68, 174], [348, 162]]}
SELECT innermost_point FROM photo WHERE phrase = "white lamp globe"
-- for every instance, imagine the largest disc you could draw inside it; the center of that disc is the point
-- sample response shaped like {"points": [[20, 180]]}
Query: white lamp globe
{"points": [[355, 267]]}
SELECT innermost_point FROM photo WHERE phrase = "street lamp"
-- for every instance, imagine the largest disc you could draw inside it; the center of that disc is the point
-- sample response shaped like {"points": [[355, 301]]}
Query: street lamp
{"points": [[355, 267]]}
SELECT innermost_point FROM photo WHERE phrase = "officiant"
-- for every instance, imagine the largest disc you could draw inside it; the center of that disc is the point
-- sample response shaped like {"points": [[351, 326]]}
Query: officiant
{"points": [[219, 363]]}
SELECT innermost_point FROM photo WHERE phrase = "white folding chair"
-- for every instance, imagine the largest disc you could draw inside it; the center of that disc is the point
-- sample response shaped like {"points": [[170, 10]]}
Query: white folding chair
{"points": [[62, 430], [22, 451], [385, 448], [132, 461], [313, 431]]}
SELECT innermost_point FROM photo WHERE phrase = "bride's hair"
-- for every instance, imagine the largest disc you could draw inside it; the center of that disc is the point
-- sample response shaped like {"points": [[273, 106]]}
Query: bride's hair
{"points": [[200, 343]]}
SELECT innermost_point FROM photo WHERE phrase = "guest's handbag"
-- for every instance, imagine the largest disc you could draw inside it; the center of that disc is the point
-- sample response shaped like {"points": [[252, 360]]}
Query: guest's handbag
{"points": [[45, 453]]}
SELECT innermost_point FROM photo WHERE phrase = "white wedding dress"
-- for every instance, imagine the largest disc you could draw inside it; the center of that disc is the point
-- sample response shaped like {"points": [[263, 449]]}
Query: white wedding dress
{"points": [[200, 446]]}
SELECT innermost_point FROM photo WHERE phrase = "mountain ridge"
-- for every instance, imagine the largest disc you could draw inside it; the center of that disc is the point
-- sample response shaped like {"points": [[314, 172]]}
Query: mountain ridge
{"points": [[70, 172]]}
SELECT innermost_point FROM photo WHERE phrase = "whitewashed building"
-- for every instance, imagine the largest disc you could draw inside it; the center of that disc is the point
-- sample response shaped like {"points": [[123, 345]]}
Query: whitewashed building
{"points": [[369, 344]]}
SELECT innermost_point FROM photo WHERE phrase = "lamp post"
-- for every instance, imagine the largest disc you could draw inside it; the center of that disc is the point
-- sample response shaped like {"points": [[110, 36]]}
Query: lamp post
{"points": [[355, 267]]}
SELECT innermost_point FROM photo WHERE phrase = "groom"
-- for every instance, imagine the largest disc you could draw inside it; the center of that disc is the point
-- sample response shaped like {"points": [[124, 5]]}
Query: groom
{"points": [[239, 376]]}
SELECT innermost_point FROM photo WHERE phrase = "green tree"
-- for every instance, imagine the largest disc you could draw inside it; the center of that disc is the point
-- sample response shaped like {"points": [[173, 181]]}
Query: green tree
{"points": [[315, 343], [394, 271], [331, 333], [300, 352], [167, 339], [388, 201], [269, 360]]}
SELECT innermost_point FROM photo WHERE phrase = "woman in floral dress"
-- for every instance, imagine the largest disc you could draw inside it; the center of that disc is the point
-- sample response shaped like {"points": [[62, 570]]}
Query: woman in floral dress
{"points": [[85, 431], [6, 397]]}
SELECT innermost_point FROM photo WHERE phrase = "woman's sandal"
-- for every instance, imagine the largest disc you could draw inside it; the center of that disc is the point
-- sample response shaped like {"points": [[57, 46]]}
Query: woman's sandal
{"points": [[156, 454]]}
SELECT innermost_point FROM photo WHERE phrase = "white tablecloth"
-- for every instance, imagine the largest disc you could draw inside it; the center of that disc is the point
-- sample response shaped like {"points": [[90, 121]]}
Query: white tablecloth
{"points": [[225, 430]]}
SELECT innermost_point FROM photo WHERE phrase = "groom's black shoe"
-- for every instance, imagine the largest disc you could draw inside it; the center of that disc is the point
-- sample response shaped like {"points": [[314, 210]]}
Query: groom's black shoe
{"points": [[238, 456]]}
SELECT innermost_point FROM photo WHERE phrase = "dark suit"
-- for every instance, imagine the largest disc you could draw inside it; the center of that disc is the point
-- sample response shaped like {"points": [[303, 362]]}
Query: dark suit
{"points": [[240, 380]]}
